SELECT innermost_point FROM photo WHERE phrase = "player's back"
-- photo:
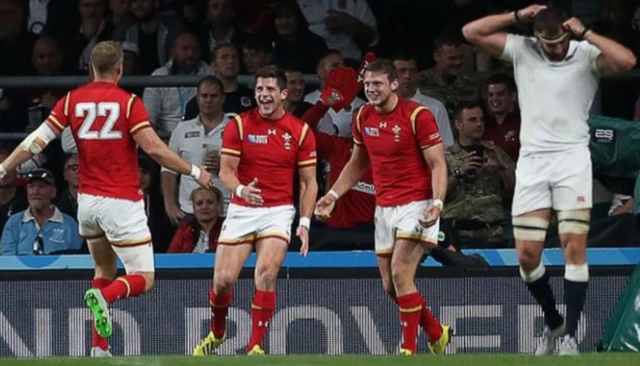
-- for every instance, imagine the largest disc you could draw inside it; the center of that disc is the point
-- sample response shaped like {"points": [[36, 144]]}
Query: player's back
{"points": [[271, 151], [395, 142], [103, 118]]}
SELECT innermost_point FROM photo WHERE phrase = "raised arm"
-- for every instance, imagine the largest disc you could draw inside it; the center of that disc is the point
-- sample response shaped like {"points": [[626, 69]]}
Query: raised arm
{"points": [[30, 146], [613, 56], [488, 32]]}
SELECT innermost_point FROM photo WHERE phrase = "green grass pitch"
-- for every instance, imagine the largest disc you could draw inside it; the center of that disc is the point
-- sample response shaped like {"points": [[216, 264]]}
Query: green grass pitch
{"points": [[603, 359]]}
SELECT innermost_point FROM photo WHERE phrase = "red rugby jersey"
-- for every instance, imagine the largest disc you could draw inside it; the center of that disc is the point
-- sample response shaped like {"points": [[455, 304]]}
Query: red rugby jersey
{"points": [[394, 142], [103, 119], [269, 150]]}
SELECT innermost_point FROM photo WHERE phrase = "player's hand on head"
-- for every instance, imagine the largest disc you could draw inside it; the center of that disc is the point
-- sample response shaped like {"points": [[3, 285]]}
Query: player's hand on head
{"points": [[530, 12], [303, 234], [575, 26], [324, 207], [251, 193]]}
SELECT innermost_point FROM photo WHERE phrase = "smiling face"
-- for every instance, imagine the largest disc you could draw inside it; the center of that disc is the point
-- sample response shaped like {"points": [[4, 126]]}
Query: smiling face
{"points": [[378, 87], [269, 97]]}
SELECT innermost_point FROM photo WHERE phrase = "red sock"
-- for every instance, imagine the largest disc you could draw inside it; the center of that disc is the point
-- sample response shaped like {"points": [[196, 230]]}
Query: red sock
{"points": [[429, 323], [96, 340], [410, 308], [123, 287], [261, 311], [219, 309]]}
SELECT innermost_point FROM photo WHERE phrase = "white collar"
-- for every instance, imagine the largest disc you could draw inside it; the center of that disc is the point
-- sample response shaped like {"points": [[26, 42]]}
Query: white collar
{"points": [[56, 217]]}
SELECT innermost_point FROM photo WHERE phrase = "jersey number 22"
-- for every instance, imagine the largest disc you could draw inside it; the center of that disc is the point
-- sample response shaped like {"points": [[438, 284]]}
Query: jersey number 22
{"points": [[91, 110]]}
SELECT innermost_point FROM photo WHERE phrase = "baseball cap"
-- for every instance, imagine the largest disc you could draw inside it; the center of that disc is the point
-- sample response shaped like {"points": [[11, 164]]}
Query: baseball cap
{"points": [[41, 174]]}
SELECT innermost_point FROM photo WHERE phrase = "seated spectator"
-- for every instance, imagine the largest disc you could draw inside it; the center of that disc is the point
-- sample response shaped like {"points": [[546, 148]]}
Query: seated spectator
{"points": [[334, 123], [479, 173], [226, 66], [294, 42], [294, 103], [153, 34], [200, 233], [94, 27], [445, 81], [167, 106], [347, 26], [220, 28], [198, 141], [41, 228], [120, 11], [257, 52], [16, 42], [502, 125], [67, 200], [407, 68], [12, 196], [52, 18]]}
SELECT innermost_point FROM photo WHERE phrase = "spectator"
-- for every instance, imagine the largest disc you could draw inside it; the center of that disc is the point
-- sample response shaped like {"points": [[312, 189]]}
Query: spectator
{"points": [[220, 28], [408, 88], [346, 25], [334, 123], [153, 34], [167, 106], [41, 228], [257, 52], [120, 11], [200, 233], [502, 125], [479, 173], [445, 80], [294, 42], [12, 196], [45, 19], [67, 200], [47, 61], [226, 66], [294, 103], [14, 39], [198, 141], [94, 28]]}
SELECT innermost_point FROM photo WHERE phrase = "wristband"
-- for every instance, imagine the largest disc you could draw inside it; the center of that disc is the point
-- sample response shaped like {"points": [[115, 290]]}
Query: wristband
{"points": [[438, 203], [305, 222], [3, 171], [195, 172], [239, 189], [585, 32], [516, 17], [334, 194]]}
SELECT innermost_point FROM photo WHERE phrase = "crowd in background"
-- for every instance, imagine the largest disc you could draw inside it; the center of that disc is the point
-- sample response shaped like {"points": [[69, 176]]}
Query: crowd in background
{"points": [[471, 94]]}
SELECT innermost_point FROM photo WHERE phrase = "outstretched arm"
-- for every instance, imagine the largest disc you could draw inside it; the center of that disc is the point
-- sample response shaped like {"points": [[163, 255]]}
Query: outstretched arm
{"points": [[30, 146]]}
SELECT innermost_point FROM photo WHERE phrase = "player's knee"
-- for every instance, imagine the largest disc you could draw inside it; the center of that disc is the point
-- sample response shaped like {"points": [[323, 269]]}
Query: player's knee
{"points": [[266, 277], [528, 258], [399, 276], [530, 229], [223, 282]]}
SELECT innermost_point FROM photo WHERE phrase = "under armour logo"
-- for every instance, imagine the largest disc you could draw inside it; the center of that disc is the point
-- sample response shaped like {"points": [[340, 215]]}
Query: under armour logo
{"points": [[383, 124], [271, 132]]}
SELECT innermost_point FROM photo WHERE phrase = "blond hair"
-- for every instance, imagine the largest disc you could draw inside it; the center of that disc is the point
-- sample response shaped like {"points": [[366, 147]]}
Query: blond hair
{"points": [[216, 192], [105, 57]]}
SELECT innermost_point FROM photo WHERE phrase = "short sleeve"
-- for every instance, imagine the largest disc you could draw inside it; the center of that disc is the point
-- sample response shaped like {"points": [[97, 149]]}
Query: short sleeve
{"points": [[58, 116], [425, 127], [512, 47], [356, 128], [137, 115], [232, 138], [307, 155], [592, 53]]}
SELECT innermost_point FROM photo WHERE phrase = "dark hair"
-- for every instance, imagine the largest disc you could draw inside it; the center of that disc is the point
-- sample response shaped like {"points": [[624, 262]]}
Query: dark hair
{"points": [[326, 54], [403, 55], [465, 104], [502, 79], [384, 66], [292, 67], [220, 46], [447, 39], [549, 20], [258, 42], [210, 79], [184, 32], [272, 72]]}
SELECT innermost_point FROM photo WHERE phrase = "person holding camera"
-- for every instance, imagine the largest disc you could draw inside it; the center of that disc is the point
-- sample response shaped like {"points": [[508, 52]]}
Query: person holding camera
{"points": [[479, 174]]}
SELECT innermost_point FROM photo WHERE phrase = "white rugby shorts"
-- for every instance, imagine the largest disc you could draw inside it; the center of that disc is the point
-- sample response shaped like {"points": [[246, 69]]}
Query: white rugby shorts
{"points": [[248, 224], [561, 182], [401, 222], [123, 223]]}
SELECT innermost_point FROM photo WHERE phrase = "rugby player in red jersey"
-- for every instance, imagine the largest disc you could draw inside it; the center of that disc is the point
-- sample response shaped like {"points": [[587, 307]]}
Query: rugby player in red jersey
{"points": [[261, 149]]}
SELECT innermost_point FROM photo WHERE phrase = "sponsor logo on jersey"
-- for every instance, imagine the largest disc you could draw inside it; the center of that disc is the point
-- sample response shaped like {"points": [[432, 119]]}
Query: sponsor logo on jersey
{"points": [[258, 139], [371, 131], [364, 188]]}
